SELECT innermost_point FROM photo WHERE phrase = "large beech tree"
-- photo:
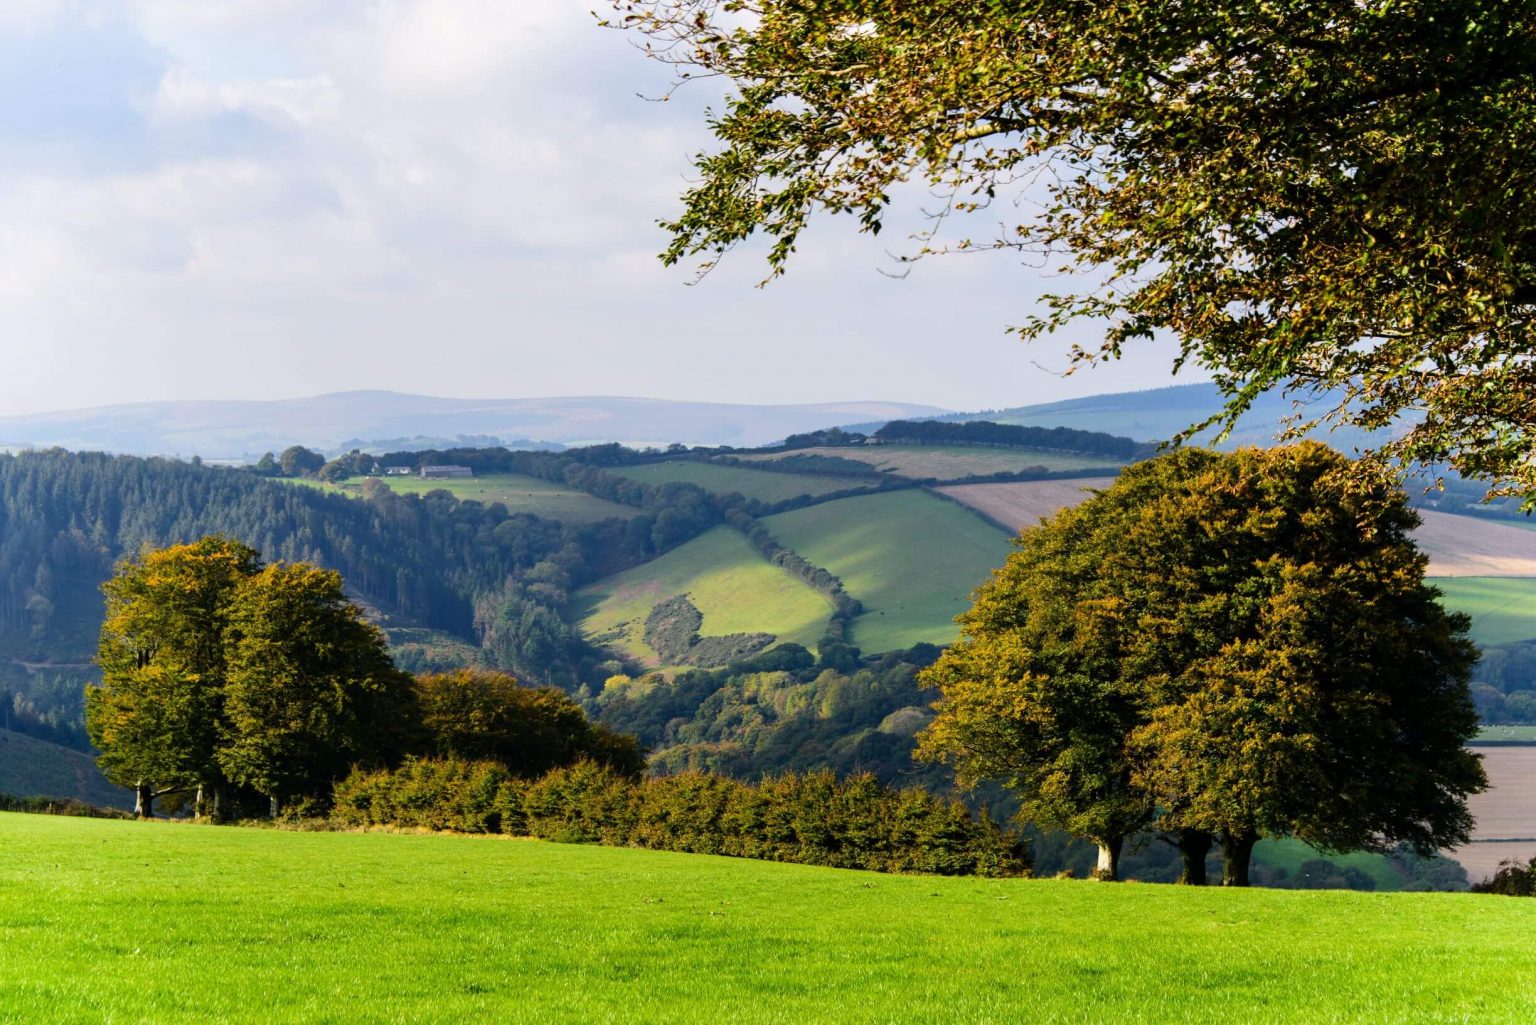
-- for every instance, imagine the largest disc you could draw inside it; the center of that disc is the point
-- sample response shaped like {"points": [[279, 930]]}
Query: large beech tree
{"points": [[217, 670], [311, 688], [1226, 647], [1330, 195], [157, 715]]}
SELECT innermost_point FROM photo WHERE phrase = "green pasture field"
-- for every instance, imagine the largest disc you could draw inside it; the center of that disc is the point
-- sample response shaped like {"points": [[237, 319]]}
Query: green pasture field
{"points": [[520, 494], [763, 485], [911, 558], [1289, 853], [110, 921], [951, 462], [1508, 734], [34, 768], [1503, 609], [736, 589]]}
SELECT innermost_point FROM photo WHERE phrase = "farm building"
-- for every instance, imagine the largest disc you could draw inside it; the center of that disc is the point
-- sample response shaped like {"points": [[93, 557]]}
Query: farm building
{"points": [[399, 471], [444, 472]]}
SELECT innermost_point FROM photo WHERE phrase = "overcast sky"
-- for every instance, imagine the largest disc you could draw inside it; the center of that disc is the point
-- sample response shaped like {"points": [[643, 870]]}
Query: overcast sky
{"points": [[276, 198]]}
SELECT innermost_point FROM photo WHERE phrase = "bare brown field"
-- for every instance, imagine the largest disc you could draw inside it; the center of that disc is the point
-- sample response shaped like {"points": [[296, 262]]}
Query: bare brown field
{"points": [[1016, 506], [948, 462], [1465, 546], [1457, 546], [1506, 813]]}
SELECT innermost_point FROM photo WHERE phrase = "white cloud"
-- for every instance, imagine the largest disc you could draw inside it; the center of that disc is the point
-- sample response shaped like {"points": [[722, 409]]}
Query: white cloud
{"points": [[450, 196]]}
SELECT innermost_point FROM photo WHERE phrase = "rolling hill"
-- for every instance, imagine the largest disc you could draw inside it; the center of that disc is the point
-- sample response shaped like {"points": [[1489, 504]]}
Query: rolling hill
{"points": [[33, 768], [912, 559], [736, 589], [1157, 414]]}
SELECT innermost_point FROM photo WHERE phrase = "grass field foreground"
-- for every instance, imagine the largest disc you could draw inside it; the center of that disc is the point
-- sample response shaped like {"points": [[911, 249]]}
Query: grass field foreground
{"points": [[911, 558], [151, 922], [731, 584]]}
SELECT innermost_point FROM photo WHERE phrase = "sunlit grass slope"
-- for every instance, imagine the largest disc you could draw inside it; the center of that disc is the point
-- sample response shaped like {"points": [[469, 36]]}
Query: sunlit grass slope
{"points": [[736, 589], [130, 922], [1503, 609], [911, 558], [764, 485]]}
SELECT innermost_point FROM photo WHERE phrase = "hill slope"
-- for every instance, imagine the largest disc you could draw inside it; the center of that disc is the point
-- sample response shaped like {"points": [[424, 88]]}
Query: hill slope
{"points": [[912, 559], [103, 917], [1159, 413], [34, 768]]}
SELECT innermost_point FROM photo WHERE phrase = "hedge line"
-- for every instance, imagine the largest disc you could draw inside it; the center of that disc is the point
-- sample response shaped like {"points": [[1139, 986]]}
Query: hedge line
{"points": [[812, 819]]}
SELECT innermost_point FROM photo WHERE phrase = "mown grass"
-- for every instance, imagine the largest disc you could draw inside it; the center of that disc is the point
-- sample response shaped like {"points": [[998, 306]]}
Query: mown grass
{"points": [[763, 485], [1503, 609], [149, 922], [736, 589], [911, 558]]}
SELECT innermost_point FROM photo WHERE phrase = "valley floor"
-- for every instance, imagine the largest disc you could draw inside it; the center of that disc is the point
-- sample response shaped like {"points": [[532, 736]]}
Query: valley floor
{"points": [[155, 922]]}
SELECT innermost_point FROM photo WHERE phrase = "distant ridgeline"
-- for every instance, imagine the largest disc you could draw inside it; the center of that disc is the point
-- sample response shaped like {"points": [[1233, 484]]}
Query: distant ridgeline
{"points": [[985, 432]]}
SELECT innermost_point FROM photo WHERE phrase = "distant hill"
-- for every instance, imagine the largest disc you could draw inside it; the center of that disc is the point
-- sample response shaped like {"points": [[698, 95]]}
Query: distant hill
{"points": [[1159, 413], [238, 430], [35, 768]]}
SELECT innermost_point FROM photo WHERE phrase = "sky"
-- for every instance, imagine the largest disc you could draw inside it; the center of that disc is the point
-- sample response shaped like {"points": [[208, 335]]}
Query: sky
{"points": [[278, 198]]}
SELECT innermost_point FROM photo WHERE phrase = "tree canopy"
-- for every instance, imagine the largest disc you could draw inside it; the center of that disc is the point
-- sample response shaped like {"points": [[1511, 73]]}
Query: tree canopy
{"points": [[216, 670], [1332, 196], [1228, 646]]}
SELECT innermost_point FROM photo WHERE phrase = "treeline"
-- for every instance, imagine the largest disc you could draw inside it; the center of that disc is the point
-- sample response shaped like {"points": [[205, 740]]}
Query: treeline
{"points": [[985, 432], [811, 819], [1504, 683]]}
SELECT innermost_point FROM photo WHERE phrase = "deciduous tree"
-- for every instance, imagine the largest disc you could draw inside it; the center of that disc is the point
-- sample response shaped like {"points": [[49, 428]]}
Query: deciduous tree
{"points": [[157, 715], [1334, 196], [311, 689], [1237, 645]]}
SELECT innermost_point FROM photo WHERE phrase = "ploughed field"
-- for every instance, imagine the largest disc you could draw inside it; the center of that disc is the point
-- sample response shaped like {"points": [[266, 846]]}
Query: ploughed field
{"points": [[135, 922]]}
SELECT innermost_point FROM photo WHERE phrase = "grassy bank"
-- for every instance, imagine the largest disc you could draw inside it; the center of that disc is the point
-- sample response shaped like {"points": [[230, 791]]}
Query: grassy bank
{"points": [[122, 921]]}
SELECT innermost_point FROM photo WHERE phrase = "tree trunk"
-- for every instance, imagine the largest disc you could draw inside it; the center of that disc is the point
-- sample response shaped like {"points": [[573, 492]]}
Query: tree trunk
{"points": [[216, 812], [273, 798], [144, 800], [197, 804], [1236, 856], [1108, 868], [1194, 845]]}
